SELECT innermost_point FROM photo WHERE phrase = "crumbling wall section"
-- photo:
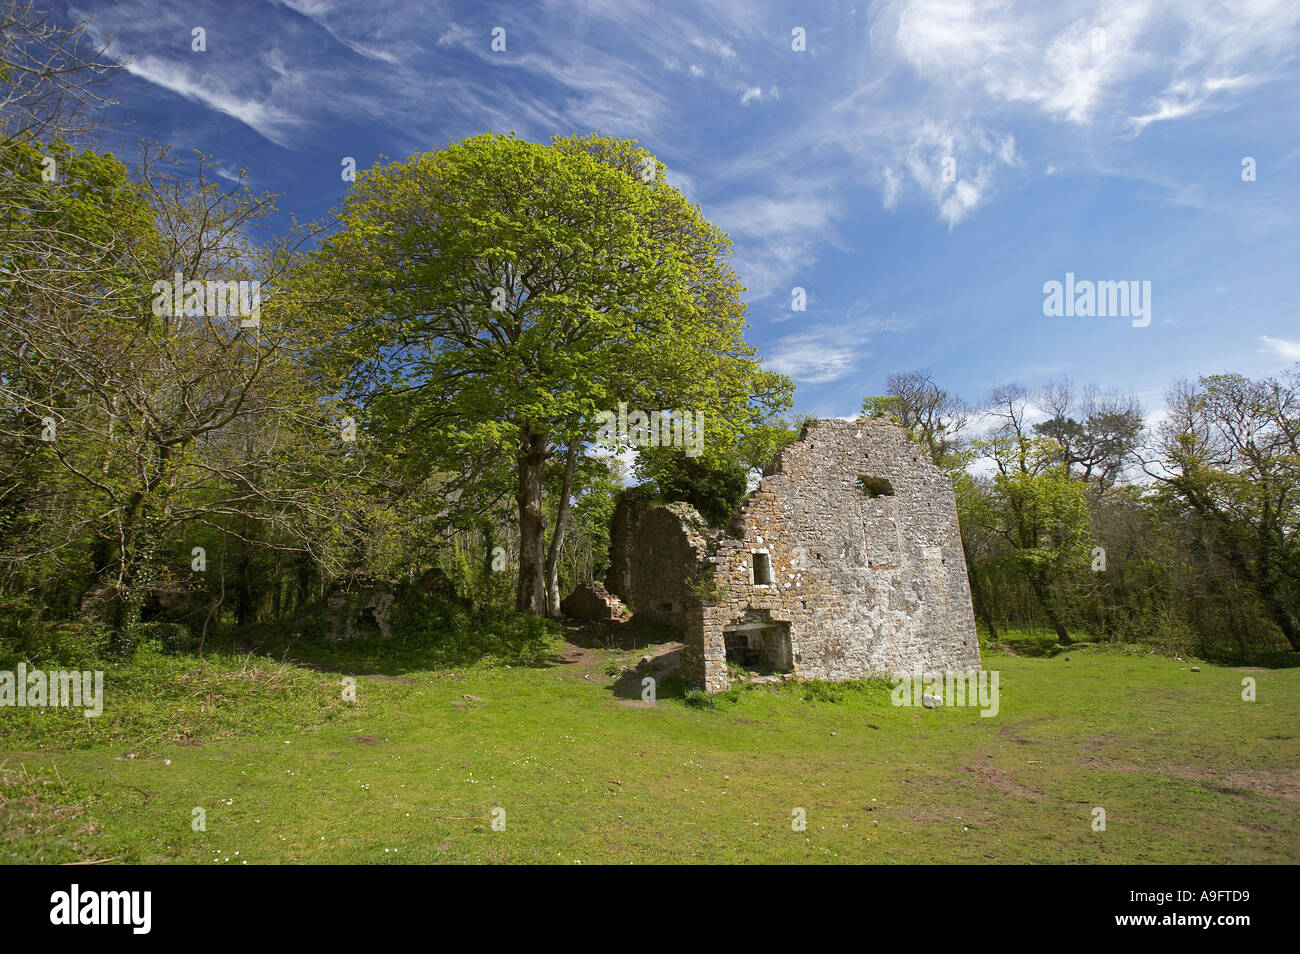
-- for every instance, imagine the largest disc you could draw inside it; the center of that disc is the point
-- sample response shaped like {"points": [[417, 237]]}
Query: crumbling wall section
{"points": [[657, 555]]}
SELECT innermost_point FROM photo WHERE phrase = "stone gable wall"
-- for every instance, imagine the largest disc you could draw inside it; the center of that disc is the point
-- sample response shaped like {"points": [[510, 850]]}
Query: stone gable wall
{"points": [[868, 585], [861, 585]]}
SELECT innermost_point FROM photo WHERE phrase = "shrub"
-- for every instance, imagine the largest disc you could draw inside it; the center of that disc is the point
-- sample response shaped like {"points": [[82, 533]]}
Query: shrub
{"points": [[699, 699], [168, 636], [24, 635]]}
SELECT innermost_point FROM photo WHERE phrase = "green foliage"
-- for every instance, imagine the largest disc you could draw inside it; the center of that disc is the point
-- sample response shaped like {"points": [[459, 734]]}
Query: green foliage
{"points": [[699, 699], [168, 636], [153, 698], [26, 636], [429, 632], [716, 482], [1200, 559], [881, 405], [563, 283], [876, 690], [716, 492]]}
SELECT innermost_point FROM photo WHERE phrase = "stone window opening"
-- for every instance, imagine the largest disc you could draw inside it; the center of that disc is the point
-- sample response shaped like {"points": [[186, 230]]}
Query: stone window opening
{"points": [[762, 567], [874, 487]]}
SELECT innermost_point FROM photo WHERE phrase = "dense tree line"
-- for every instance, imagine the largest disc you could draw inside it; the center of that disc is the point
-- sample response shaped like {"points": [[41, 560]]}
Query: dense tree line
{"points": [[1079, 520]]}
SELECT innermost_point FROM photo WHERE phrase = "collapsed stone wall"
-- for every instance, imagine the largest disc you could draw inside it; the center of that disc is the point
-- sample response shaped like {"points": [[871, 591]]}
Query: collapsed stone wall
{"points": [[657, 554], [358, 607], [845, 562], [592, 602]]}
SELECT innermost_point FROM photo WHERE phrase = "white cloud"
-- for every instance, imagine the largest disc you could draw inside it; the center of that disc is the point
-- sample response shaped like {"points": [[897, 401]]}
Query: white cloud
{"points": [[267, 120], [719, 48], [769, 218], [319, 13], [753, 94], [1079, 62], [1062, 64], [776, 237], [1287, 350], [811, 361], [831, 349], [949, 77], [952, 165]]}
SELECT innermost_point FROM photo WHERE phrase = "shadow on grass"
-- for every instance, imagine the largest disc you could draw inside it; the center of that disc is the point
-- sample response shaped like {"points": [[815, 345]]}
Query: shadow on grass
{"points": [[462, 642], [626, 635], [665, 670], [633, 636], [1034, 643], [532, 643]]}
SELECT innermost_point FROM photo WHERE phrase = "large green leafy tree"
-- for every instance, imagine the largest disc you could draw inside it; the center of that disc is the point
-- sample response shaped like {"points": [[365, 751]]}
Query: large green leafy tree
{"points": [[75, 255], [499, 294]]}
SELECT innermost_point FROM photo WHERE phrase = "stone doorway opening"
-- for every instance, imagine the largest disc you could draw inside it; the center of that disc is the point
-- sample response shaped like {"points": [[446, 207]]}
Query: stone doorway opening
{"points": [[759, 645]]}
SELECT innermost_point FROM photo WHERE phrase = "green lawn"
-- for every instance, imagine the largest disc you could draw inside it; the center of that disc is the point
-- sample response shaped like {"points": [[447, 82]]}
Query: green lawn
{"points": [[287, 772]]}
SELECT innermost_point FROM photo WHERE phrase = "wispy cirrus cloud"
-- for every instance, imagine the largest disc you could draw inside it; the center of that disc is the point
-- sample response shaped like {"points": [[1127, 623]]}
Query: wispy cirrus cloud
{"points": [[337, 20], [955, 78], [832, 169], [776, 235], [812, 359], [266, 119], [832, 348]]}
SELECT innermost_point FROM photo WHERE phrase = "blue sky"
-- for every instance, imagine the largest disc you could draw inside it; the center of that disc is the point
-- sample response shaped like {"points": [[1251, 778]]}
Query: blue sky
{"points": [[1105, 140]]}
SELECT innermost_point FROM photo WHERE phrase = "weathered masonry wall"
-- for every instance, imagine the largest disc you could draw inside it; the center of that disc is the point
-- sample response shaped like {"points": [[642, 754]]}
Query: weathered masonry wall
{"points": [[657, 554], [868, 576]]}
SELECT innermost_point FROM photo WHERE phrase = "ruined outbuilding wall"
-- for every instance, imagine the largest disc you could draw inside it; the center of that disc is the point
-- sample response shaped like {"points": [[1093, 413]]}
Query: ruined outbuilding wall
{"points": [[656, 555], [866, 585]]}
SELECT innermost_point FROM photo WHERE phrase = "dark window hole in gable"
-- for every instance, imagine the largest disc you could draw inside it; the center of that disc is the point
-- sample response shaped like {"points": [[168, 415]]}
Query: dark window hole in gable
{"points": [[874, 487], [762, 569]]}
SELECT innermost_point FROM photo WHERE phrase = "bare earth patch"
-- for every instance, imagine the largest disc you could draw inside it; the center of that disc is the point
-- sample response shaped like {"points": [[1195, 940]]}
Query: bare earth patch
{"points": [[1272, 783], [1001, 779]]}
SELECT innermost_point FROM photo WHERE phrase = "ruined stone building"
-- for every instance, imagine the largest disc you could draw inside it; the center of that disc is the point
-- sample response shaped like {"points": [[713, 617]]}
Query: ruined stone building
{"points": [[845, 562]]}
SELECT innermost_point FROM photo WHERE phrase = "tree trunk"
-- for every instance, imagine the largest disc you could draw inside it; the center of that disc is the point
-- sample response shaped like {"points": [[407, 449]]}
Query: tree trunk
{"points": [[530, 596], [124, 611], [557, 537], [245, 599], [1284, 619], [1053, 617]]}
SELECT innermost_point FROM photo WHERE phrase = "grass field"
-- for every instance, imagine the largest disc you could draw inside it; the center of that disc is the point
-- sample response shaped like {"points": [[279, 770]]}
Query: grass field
{"points": [[286, 771]]}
